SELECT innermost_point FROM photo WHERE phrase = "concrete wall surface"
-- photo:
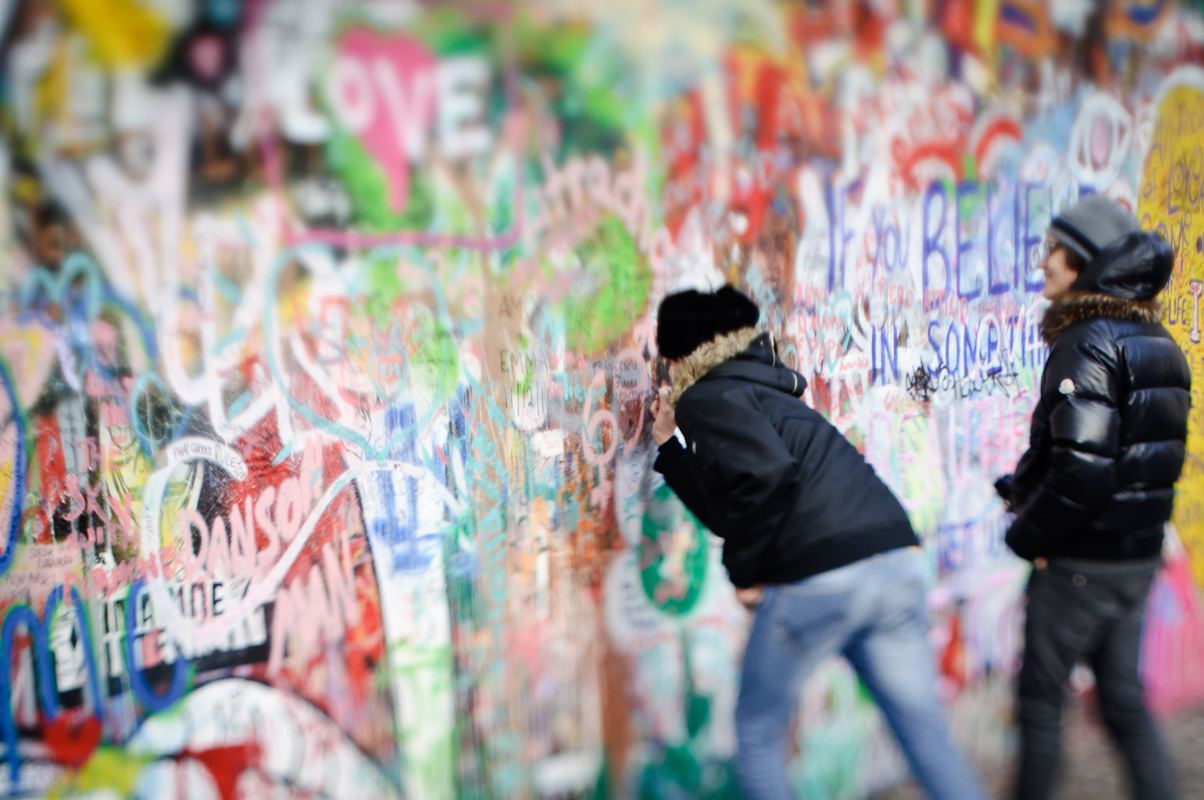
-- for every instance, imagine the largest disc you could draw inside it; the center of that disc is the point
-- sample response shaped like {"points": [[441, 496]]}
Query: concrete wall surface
{"points": [[327, 337]]}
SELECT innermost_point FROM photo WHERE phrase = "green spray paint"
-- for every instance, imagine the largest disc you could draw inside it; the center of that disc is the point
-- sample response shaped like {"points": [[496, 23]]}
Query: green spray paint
{"points": [[590, 89], [673, 554], [621, 279], [110, 770], [681, 769], [422, 675], [435, 366], [368, 189]]}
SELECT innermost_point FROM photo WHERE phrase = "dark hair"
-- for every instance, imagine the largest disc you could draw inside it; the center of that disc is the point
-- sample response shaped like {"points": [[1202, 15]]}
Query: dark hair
{"points": [[1074, 259], [49, 212]]}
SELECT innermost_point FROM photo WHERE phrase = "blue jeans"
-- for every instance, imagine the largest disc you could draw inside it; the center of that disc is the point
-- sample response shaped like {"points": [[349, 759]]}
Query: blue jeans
{"points": [[873, 612]]}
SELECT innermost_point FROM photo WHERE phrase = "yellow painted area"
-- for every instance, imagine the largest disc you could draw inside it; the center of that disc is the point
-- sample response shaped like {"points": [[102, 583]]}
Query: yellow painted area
{"points": [[124, 472], [28, 353], [125, 33], [985, 14], [50, 95], [8, 452], [183, 492], [1172, 200], [111, 768]]}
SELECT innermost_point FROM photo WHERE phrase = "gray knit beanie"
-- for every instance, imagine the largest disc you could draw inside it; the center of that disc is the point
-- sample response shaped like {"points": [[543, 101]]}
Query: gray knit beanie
{"points": [[1092, 224]]}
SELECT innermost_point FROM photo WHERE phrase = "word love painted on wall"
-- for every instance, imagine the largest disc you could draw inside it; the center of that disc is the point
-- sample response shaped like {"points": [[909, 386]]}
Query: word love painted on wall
{"points": [[391, 91]]}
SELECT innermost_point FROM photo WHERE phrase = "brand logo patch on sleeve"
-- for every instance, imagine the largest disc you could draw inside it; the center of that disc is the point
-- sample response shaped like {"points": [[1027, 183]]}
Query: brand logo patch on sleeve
{"points": [[1066, 386]]}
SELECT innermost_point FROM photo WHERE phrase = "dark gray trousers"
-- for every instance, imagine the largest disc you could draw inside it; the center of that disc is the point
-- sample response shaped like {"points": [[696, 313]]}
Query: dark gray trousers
{"points": [[1090, 610]]}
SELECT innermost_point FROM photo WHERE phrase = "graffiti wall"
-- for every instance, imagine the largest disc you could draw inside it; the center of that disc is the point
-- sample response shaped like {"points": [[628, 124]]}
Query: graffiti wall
{"points": [[327, 340]]}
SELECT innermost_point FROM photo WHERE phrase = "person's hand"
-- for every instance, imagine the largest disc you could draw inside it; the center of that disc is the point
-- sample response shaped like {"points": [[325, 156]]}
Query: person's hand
{"points": [[666, 421], [751, 597], [1003, 487]]}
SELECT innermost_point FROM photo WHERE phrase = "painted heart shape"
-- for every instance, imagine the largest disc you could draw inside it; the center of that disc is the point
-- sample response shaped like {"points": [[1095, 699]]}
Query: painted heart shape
{"points": [[72, 741], [206, 55]]}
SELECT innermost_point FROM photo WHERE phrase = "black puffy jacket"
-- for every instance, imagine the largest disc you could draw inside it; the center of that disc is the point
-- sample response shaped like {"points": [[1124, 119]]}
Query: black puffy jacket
{"points": [[789, 495], [1109, 433]]}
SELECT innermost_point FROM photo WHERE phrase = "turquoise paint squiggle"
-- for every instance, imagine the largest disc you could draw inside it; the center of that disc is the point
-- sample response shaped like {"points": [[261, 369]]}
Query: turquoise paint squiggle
{"points": [[18, 487], [150, 444], [319, 421], [76, 265]]}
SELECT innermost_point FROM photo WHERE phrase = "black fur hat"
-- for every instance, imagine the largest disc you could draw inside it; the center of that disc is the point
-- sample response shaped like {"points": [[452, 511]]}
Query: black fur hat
{"points": [[691, 318]]}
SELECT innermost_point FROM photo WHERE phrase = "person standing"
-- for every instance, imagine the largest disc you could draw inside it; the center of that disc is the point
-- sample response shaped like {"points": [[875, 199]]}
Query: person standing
{"points": [[1095, 487], [814, 542]]}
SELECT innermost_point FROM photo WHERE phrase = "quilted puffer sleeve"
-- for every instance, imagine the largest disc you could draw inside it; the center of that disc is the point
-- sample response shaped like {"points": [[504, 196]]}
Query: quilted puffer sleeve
{"points": [[1080, 387]]}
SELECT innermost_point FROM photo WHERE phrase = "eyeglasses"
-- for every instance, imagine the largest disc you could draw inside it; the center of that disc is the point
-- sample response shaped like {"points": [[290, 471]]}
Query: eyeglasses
{"points": [[1044, 250]]}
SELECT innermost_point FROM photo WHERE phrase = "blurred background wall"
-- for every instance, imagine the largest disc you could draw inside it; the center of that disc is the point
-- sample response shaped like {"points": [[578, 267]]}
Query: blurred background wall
{"points": [[327, 337]]}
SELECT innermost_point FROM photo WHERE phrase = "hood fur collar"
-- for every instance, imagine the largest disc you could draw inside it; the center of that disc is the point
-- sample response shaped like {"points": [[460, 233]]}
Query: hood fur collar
{"points": [[1064, 313], [708, 356]]}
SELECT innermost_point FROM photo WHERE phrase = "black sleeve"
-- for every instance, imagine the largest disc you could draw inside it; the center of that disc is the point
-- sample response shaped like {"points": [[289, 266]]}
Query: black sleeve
{"points": [[1030, 470], [1080, 385], [674, 463]]}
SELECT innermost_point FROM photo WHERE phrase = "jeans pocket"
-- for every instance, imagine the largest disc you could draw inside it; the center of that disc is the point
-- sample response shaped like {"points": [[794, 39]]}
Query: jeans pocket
{"points": [[903, 606], [807, 617]]}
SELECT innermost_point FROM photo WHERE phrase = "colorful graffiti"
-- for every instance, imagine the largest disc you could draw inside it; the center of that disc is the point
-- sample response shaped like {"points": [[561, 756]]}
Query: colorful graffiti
{"points": [[327, 340]]}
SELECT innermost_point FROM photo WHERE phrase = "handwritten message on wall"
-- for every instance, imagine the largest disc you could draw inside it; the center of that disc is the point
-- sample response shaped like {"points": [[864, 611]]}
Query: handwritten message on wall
{"points": [[327, 336]]}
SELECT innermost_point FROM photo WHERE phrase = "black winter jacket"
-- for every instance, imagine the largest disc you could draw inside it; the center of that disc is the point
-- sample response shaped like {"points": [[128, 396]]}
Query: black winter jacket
{"points": [[1109, 433], [788, 494]]}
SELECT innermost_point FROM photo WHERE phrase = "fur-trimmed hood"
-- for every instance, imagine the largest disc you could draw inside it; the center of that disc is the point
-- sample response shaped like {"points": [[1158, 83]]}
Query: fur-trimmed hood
{"points": [[743, 355], [1064, 313], [708, 356]]}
